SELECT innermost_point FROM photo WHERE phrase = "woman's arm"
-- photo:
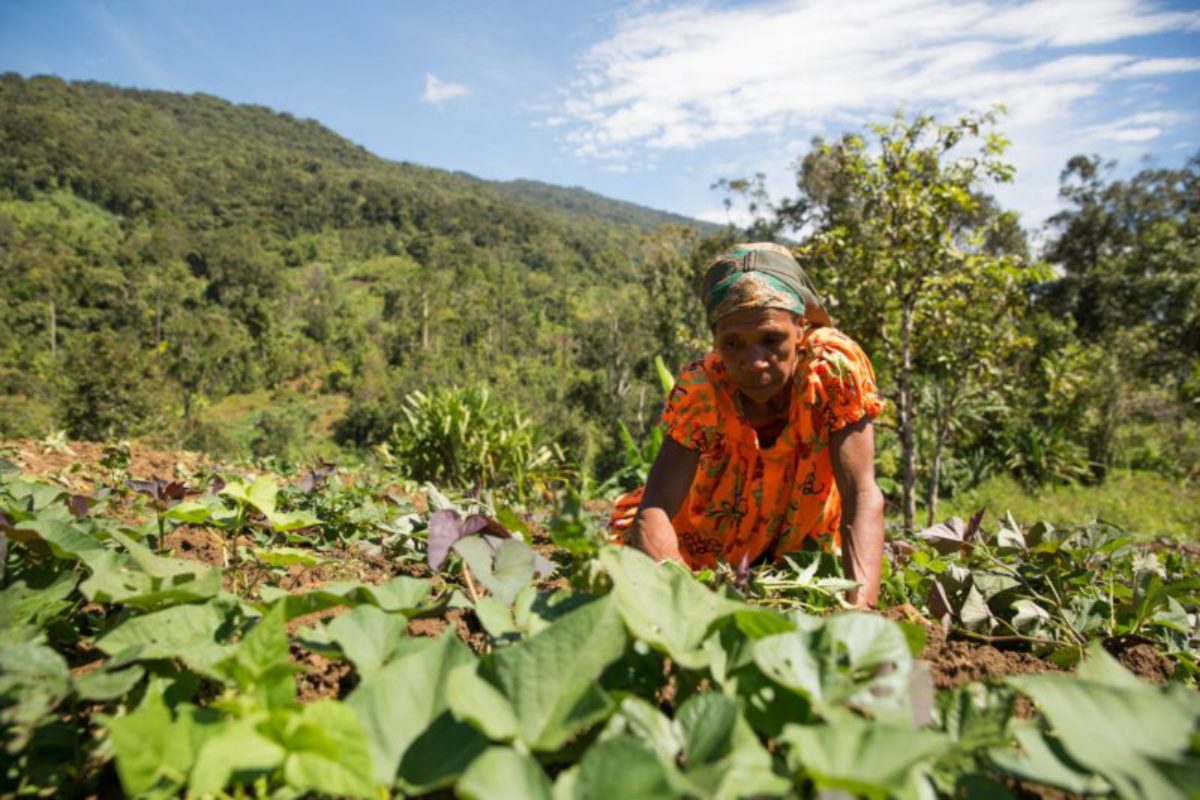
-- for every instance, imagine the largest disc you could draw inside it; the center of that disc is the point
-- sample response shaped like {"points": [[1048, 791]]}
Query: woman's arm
{"points": [[852, 450], [666, 488]]}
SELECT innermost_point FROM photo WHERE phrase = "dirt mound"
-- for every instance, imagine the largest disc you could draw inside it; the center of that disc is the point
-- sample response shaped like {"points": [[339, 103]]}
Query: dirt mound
{"points": [[79, 463], [1139, 657]]}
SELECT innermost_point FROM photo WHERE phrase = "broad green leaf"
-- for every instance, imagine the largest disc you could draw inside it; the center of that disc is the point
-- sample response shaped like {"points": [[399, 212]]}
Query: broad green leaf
{"points": [[622, 767], [286, 556], [152, 751], [327, 752], [706, 722], [237, 751], [503, 772], [260, 495], [108, 684], [1116, 725], [189, 512], [549, 680], [401, 594], [65, 539], [406, 701], [369, 637], [292, 520], [189, 633], [644, 721], [850, 658], [36, 606], [1044, 761], [260, 666], [504, 570], [495, 617], [665, 608], [870, 759], [146, 581], [34, 679], [483, 705]]}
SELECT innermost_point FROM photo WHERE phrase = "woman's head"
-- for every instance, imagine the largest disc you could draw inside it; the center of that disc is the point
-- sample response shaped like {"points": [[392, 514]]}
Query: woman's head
{"points": [[756, 296], [759, 275]]}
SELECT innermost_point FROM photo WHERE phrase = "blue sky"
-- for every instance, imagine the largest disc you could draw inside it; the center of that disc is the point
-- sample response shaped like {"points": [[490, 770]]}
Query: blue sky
{"points": [[654, 101]]}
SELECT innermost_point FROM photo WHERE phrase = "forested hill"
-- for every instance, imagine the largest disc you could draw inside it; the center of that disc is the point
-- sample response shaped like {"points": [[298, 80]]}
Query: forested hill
{"points": [[159, 252], [135, 151]]}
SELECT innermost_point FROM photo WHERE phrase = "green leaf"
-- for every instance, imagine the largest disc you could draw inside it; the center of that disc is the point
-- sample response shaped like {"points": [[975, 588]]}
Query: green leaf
{"points": [[862, 660], [146, 581], [260, 666], [108, 684], [260, 495], [189, 633], [369, 637], [236, 751], [152, 751], [871, 759], [401, 594], [292, 521], [622, 767], [706, 721], [327, 752], [66, 541], [503, 772], [286, 556], [1116, 725], [1043, 760], [495, 617], [404, 702], [505, 570], [34, 679], [549, 680], [509, 519], [663, 607], [189, 512]]}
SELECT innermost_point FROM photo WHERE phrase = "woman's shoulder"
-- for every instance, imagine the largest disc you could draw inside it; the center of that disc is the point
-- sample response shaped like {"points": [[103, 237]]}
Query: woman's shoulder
{"points": [[827, 338]]}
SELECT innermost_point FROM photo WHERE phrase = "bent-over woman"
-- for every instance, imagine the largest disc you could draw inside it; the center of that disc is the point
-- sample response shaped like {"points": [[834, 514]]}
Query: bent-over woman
{"points": [[769, 443]]}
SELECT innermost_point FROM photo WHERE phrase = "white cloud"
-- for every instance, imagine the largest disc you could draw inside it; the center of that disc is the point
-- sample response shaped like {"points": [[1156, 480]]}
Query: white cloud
{"points": [[692, 75], [438, 91]]}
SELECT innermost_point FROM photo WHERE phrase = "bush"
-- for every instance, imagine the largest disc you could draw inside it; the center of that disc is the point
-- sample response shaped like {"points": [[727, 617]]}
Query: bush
{"points": [[468, 439]]}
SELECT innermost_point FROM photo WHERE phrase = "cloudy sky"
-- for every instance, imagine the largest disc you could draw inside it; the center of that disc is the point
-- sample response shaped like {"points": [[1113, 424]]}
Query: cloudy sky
{"points": [[654, 101]]}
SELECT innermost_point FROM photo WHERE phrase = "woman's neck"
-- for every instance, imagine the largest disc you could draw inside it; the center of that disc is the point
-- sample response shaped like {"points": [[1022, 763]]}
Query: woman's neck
{"points": [[760, 412]]}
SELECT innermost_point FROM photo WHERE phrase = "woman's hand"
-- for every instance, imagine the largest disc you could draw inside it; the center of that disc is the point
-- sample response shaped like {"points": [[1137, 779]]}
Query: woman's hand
{"points": [[666, 488], [852, 451]]}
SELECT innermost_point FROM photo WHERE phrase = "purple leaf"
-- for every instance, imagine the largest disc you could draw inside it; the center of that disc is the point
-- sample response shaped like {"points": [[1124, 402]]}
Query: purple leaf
{"points": [[946, 537], [218, 483], [79, 504], [307, 482], [973, 525], [742, 576], [445, 528], [150, 487]]}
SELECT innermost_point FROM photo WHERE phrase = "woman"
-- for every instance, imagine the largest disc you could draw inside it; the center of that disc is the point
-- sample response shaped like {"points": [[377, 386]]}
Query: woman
{"points": [[770, 446]]}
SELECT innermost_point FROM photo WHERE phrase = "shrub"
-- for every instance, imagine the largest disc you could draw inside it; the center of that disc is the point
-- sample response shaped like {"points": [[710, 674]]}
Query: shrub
{"points": [[469, 439]]}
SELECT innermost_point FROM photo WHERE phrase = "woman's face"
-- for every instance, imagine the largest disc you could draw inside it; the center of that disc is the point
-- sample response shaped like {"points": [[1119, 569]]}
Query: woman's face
{"points": [[758, 347]]}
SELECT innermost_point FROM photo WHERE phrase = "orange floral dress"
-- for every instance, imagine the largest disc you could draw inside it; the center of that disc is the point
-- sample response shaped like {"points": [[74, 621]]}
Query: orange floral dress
{"points": [[747, 500]]}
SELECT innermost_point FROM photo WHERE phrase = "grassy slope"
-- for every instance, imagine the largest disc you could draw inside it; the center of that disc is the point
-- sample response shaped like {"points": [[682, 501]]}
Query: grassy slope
{"points": [[1139, 501]]}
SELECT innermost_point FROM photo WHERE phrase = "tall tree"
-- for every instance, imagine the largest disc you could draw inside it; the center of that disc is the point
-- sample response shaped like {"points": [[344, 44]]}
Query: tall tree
{"points": [[900, 239]]}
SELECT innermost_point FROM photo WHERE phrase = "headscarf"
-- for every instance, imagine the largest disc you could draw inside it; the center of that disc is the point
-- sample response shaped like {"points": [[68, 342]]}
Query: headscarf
{"points": [[759, 275]]}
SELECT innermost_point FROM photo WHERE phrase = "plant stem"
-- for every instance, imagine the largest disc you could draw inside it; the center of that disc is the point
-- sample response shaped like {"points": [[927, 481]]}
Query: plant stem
{"points": [[470, 583]]}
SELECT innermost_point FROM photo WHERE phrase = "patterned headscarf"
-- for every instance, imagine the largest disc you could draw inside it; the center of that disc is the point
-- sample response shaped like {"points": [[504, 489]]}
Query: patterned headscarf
{"points": [[759, 275]]}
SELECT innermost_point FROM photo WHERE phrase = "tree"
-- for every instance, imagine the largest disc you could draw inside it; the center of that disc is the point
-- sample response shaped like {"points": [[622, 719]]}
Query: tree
{"points": [[901, 238]]}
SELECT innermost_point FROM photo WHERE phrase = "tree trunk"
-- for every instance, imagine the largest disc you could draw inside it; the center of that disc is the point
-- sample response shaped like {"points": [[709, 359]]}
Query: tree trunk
{"points": [[905, 416], [53, 330], [424, 320], [941, 432]]}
